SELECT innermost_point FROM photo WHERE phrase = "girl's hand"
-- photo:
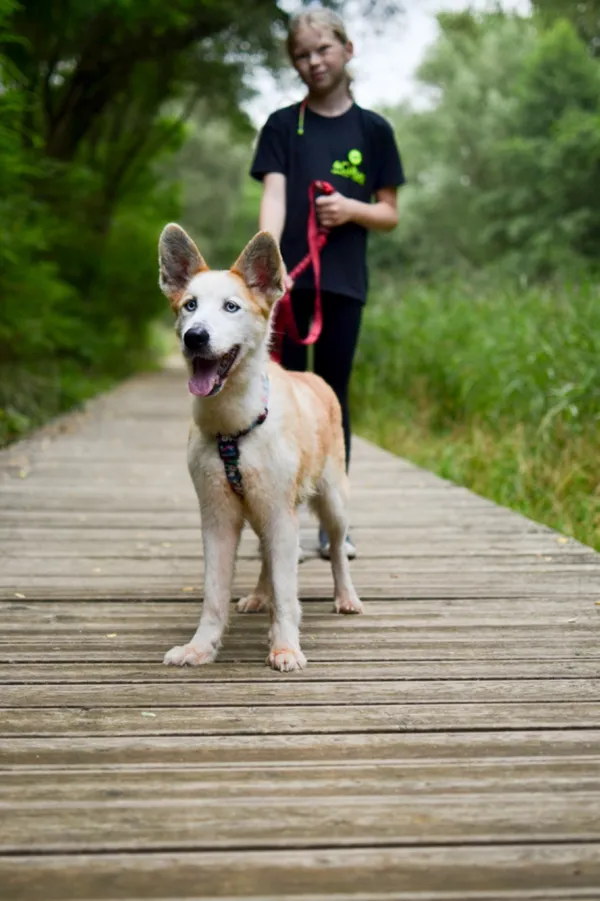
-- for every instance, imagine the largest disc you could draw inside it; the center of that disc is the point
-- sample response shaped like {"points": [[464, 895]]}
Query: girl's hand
{"points": [[288, 281], [333, 209]]}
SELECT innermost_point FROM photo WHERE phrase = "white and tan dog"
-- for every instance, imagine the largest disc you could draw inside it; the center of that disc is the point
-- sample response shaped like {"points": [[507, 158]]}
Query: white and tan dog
{"points": [[293, 455]]}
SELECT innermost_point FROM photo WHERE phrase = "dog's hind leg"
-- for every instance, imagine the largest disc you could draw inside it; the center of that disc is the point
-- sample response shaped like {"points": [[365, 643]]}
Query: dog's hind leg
{"points": [[280, 544], [330, 505], [220, 537], [260, 599]]}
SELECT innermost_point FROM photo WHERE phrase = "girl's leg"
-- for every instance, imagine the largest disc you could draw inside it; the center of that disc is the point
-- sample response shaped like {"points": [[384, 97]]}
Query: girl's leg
{"points": [[294, 356], [335, 350], [334, 356]]}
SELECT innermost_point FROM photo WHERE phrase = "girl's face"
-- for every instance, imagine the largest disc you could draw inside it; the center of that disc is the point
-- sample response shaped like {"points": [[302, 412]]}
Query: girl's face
{"points": [[320, 59]]}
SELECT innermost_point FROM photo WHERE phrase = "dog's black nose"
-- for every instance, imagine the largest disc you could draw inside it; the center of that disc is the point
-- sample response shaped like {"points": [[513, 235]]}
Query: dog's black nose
{"points": [[196, 339]]}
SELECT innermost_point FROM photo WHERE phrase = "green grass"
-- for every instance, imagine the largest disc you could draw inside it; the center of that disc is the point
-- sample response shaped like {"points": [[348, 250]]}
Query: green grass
{"points": [[496, 387], [32, 393]]}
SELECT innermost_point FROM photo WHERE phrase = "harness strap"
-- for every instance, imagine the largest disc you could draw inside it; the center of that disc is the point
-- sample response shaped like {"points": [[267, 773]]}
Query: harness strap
{"points": [[285, 324], [229, 450]]}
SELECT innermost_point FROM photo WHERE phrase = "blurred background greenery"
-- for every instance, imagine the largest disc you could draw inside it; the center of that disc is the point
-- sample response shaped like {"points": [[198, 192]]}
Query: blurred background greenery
{"points": [[480, 356]]}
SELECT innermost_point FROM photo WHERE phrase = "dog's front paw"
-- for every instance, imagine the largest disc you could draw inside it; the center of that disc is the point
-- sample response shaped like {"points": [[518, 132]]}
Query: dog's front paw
{"points": [[253, 603], [286, 659], [189, 655], [348, 603]]}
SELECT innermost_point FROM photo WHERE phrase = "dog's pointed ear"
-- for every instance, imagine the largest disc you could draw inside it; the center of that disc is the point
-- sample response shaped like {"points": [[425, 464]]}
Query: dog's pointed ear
{"points": [[179, 260], [261, 266]]}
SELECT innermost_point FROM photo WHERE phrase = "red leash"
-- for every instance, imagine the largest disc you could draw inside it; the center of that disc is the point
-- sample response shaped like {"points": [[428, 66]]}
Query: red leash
{"points": [[284, 323]]}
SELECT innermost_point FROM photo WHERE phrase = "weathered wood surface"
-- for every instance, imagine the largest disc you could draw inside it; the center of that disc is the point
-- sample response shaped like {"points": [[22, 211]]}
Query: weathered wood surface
{"points": [[446, 745]]}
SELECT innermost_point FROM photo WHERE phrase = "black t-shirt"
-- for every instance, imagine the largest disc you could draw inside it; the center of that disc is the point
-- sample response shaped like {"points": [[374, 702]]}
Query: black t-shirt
{"points": [[355, 152]]}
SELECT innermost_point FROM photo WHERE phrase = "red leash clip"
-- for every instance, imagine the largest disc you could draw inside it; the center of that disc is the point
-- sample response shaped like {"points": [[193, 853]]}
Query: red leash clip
{"points": [[284, 323]]}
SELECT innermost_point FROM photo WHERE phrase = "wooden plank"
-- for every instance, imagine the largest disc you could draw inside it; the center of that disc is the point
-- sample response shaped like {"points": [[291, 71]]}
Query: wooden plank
{"points": [[379, 614], [256, 720], [350, 693], [320, 621], [323, 625], [451, 873], [169, 524], [367, 779], [508, 566], [201, 821], [387, 610], [354, 645], [60, 482], [576, 624], [164, 548], [537, 538], [126, 752], [145, 514], [369, 584], [50, 673], [253, 653]]}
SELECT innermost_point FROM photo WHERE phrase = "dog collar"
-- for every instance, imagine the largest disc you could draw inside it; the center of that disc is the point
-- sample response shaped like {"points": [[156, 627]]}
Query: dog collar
{"points": [[229, 449]]}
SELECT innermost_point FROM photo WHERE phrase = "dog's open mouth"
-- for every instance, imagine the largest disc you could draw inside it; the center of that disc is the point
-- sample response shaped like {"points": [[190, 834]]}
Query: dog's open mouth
{"points": [[209, 373]]}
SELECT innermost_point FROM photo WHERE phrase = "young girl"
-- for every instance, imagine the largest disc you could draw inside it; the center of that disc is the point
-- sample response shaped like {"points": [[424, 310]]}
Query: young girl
{"points": [[328, 137]]}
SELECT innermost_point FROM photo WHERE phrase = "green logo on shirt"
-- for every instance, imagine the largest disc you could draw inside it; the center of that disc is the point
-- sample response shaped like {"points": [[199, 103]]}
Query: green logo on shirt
{"points": [[349, 168]]}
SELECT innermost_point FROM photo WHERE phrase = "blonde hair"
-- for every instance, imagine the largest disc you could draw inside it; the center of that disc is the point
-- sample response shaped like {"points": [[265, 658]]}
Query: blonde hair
{"points": [[321, 18]]}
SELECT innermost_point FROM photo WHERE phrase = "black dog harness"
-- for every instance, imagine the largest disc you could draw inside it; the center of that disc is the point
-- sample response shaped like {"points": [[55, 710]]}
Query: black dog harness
{"points": [[229, 449]]}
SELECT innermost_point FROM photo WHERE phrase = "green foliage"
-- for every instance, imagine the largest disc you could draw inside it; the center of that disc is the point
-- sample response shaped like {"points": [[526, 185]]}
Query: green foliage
{"points": [[212, 171], [584, 14], [94, 101], [494, 386], [504, 168], [530, 355]]}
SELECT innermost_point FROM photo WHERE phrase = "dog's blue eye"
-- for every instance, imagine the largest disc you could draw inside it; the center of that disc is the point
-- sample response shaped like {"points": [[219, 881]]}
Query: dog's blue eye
{"points": [[231, 306], [191, 305]]}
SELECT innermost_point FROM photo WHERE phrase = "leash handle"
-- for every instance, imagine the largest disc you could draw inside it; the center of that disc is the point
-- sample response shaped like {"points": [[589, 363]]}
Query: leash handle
{"points": [[284, 315]]}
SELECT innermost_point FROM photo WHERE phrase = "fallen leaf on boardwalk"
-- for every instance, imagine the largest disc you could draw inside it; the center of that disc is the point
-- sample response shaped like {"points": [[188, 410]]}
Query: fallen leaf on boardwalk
{"points": [[23, 473], [111, 634], [562, 540], [20, 596], [166, 544], [21, 462], [188, 588], [145, 713]]}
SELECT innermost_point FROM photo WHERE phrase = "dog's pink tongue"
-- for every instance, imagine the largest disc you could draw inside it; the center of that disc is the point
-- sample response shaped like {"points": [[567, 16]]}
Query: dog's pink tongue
{"points": [[204, 377]]}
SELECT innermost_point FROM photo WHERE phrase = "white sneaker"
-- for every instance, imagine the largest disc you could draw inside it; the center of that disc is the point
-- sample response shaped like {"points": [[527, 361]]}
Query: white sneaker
{"points": [[324, 548]]}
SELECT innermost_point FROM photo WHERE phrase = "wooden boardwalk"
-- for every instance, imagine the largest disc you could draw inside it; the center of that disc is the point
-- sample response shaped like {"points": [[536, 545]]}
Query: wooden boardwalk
{"points": [[446, 745]]}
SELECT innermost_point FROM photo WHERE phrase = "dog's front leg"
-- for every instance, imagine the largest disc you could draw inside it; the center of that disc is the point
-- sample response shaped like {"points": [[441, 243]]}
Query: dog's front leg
{"points": [[280, 545], [220, 538]]}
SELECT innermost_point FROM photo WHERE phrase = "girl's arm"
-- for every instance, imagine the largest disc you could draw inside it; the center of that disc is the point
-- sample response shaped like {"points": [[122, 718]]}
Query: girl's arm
{"points": [[272, 205], [336, 209], [272, 212]]}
